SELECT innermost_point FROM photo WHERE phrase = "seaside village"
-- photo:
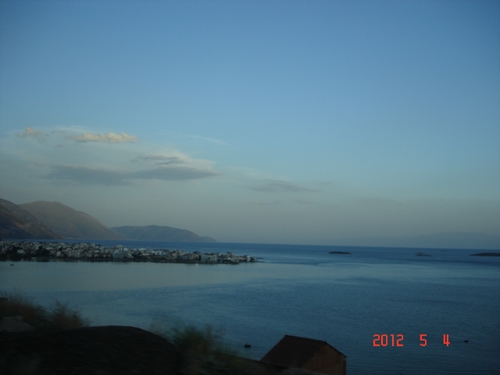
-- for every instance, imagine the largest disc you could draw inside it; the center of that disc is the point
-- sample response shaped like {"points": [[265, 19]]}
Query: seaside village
{"points": [[44, 251]]}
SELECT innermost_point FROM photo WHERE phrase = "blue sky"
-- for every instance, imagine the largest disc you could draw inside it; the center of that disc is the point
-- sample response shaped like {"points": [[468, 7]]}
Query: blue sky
{"points": [[310, 122]]}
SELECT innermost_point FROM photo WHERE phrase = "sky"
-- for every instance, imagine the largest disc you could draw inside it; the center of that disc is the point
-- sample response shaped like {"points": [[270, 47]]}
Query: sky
{"points": [[305, 122]]}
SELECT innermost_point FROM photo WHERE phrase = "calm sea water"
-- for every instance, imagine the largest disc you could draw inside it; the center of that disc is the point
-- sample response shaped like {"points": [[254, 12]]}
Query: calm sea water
{"points": [[299, 290]]}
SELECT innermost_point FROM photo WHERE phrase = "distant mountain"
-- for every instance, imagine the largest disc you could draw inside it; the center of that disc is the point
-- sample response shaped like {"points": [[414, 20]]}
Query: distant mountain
{"points": [[17, 223], [452, 240], [160, 233], [69, 223]]}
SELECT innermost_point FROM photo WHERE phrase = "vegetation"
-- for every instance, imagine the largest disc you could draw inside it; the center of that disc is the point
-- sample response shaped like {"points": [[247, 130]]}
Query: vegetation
{"points": [[204, 351], [201, 350], [57, 317]]}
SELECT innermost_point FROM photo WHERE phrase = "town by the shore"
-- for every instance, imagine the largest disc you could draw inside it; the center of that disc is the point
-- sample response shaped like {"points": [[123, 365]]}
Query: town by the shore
{"points": [[61, 251]]}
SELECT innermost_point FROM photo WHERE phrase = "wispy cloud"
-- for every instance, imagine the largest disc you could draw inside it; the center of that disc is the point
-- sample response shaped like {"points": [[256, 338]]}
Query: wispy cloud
{"points": [[131, 163], [160, 159], [32, 133], [174, 174], [74, 174], [108, 138], [207, 139], [78, 175], [269, 186]]}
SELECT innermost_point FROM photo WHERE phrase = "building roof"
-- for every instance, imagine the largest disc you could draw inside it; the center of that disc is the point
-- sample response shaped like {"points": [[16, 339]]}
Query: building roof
{"points": [[294, 351]]}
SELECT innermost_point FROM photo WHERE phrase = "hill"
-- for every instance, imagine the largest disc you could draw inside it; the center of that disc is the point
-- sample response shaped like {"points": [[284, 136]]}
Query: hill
{"points": [[68, 222], [160, 233], [15, 222]]}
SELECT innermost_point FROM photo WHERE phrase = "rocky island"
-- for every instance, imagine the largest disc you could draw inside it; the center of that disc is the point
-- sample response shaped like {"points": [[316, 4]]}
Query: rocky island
{"points": [[490, 254], [45, 251]]}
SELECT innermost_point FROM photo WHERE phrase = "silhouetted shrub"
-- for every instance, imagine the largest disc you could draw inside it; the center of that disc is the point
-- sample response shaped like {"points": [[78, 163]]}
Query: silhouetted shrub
{"points": [[57, 317], [204, 351]]}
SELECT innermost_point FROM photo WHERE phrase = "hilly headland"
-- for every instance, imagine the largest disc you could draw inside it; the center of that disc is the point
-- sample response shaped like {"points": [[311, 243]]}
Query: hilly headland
{"points": [[16, 222], [54, 220]]}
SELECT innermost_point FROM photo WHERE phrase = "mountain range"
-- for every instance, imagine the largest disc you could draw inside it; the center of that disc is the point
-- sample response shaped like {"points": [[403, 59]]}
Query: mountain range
{"points": [[68, 222], [16, 222], [54, 220]]}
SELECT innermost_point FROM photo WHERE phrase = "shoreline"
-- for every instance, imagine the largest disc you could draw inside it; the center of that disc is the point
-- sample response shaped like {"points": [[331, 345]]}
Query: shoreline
{"points": [[90, 252]]}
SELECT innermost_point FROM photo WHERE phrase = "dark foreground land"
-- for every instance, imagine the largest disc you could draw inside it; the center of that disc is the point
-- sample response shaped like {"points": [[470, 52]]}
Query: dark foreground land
{"points": [[89, 350], [119, 350], [36, 340]]}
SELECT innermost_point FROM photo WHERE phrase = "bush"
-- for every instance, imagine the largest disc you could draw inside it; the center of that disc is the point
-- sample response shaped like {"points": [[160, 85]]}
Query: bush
{"points": [[62, 317], [57, 317], [14, 305], [204, 351]]}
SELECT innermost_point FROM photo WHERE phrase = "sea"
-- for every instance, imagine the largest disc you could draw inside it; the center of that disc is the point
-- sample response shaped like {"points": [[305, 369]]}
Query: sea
{"points": [[388, 310]]}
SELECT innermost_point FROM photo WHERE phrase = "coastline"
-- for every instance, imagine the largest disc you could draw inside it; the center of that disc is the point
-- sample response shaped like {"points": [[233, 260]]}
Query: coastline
{"points": [[64, 251]]}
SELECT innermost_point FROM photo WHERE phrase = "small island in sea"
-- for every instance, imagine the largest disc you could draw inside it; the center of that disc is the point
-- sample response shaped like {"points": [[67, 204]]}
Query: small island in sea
{"points": [[45, 251], [486, 254]]}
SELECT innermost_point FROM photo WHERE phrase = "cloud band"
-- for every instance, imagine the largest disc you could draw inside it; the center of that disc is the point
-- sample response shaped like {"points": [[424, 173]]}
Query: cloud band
{"points": [[108, 138]]}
